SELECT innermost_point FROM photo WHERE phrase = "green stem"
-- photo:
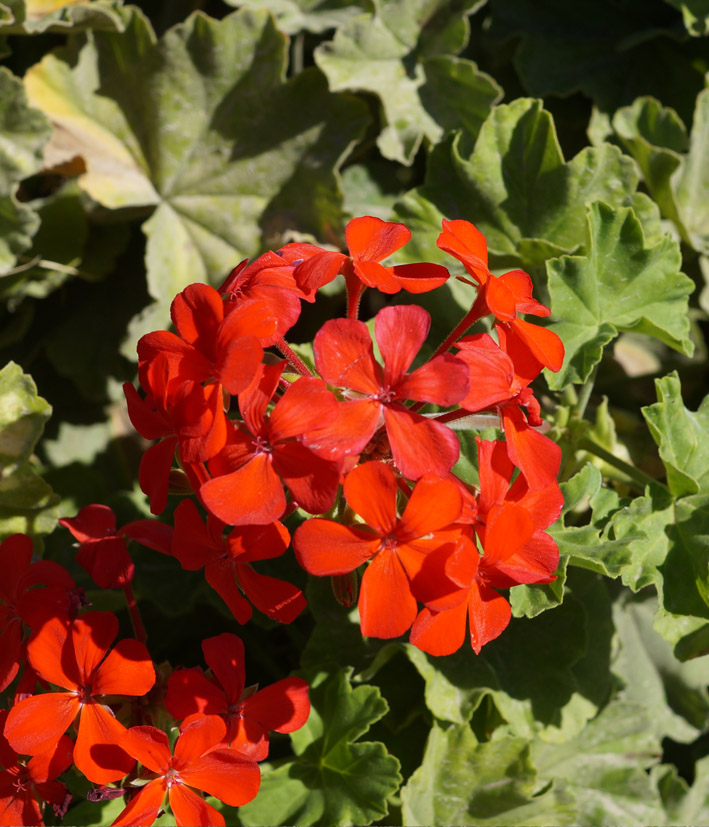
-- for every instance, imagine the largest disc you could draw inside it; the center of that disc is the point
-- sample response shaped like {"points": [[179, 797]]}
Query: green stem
{"points": [[295, 360], [134, 612], [635, 474], [584, 395]]}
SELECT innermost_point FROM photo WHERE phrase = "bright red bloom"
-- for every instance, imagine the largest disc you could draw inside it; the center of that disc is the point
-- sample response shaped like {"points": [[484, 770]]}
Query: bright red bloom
{"points": [[246, 487], [227, 562], [281, 707], [211, 344], [395, 546], [195, 764], [502, 296], [74, 657], [369, 241], [24, 785], [21, 600], [102, 549], [439, 628], [344, 357], [498, 382]]}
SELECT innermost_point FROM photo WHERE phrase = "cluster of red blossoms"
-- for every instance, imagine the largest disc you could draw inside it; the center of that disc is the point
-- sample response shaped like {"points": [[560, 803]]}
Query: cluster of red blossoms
{"points": [[256, 434], [259, 435]]}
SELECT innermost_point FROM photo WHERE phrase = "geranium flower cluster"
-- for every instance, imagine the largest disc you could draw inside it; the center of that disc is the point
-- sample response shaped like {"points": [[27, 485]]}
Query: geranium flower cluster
{"points": [[346, 440], [356, 445]]}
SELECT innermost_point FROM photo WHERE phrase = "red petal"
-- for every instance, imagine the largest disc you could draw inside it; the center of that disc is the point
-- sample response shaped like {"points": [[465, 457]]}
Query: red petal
{"points": [[150, 533], [92, 635], [464, 241], [50, 651], [386, 606], [48, 765], [490, 371], [373, 274], [224, 655], [371, 491], [145, 419], [371, 239], [93, 522], [400, 331], [344, 356], [193, 544], [509, 526], [443, 381], [128, 670], [542, 343], [283, 706], [107, 562], [225, 775], [96, 752], [533, 562], [537, 456], [306, 404], [277, 599], [189, 692], [36, 724], [221, 577], [354, 425], [198, 737], [254, 399], [148, 745], [15, 559], [238, 362], [324, 547], [143, 808], [435, 503], [500, 299], [191, 810], [10, 650], [196, 313], [154, 472], [440, 633], [313, 481], [495, 470], [520, 285], [489, 614], [253, 494], [420, 277], [318, 270], [419, 445], [257, 542]]}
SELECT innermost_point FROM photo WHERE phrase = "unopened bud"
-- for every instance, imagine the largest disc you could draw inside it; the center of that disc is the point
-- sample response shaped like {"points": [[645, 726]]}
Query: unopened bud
{"points": [[345, 587]]}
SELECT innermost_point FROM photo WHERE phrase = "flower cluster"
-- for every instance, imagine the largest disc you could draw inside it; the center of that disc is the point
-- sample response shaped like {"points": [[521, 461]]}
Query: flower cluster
{"points": [[356, 443], [361, 437]]}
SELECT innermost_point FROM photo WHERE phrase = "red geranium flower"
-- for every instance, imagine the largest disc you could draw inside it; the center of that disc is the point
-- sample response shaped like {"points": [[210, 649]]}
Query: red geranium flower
{"points": [[24, 785], [281, 707], [344, 357], [197, 764], [263, 450], [395, 546], [74, 657], [227, 561]]}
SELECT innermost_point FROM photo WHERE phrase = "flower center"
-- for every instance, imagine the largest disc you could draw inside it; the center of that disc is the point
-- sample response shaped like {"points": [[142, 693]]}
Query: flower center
{"points": [[386, 395]]}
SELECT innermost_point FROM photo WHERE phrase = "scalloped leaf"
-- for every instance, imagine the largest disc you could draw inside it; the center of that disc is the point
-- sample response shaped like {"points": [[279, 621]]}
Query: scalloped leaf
{"points": [[335, 779], [61, 16]]}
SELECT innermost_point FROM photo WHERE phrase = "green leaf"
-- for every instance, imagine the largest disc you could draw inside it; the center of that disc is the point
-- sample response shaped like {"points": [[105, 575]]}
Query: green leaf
{"points": [[335, 779], [174, 128], [464, 782], [611, 52], [529, 601], [695, 14], [25, 131], [622, 284], [603, 544], [681, 436], [677, 175], [673, 693], [516, 188], [684, 804], [61, 16], [27, 503], [315, 16], [604, 765], [397, 54]]}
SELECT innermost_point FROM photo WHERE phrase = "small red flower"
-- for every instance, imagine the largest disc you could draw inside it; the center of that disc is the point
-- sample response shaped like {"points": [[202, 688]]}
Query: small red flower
{"points": [[395, 547], [74, 657], [196, 764], [281, 707]]}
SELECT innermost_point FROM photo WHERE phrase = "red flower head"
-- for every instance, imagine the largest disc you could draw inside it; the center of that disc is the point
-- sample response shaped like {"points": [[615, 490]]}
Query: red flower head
{"points": [[395, 546], [24, 785], [265, 449], [197, 764], [344, 357], [73, 656], [502, 296], [227, 562], [21, 601], [280, 707], [370, 240]]}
